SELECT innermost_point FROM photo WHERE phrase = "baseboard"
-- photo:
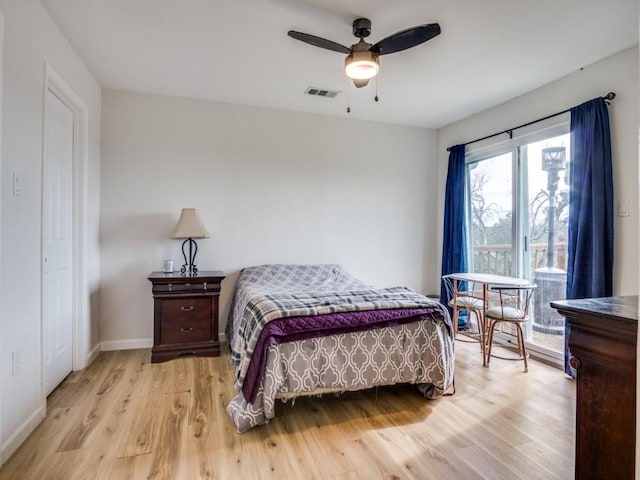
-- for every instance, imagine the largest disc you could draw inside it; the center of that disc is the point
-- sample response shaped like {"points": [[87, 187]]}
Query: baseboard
{"points": [[130, 345], [21, 433], [93, 354], [127, 344]]}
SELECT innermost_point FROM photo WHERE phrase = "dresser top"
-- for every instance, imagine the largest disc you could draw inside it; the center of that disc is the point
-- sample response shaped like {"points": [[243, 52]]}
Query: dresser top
{"points": [[203, 275], [621, 308]]}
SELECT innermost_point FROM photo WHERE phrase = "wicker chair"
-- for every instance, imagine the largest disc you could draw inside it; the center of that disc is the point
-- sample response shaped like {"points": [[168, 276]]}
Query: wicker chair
{"points": [[513, 308], [468, 300]]}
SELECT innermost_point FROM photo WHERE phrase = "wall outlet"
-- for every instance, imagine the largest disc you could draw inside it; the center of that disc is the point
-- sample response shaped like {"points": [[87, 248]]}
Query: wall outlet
{"points": [[16, 363], [623, 208], [17, 184]]}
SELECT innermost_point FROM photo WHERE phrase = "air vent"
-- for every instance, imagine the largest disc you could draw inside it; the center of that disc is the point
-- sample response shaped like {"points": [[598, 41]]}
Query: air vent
{"points": [[321, 92]]}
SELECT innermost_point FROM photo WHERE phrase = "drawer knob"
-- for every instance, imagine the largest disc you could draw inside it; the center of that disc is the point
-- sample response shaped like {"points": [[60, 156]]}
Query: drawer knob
{"points": [[186, 330], [575, 363], [187, 284], [186, 309], [170, 286]]}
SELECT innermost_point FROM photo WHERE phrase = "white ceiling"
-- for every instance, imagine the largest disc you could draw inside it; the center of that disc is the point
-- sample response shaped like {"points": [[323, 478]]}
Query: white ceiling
{"points": [[238, 51]]}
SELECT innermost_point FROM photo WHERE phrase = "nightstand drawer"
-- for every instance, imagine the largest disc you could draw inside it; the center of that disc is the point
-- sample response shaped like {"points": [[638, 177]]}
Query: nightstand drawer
{"points": [[185, 332], [195, 287], [186, 309]]}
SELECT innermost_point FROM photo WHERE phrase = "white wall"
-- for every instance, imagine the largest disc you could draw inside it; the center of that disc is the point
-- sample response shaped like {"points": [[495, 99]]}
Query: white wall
{"points": [[31, 39], [618, 73], [271, 186]]}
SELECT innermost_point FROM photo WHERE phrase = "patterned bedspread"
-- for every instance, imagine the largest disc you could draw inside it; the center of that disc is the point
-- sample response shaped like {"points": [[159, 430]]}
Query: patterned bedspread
{"points": [[419, 352], [255, 282]]}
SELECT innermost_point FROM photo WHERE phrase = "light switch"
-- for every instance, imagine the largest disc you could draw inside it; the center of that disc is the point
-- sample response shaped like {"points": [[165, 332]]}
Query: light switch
{"points": [[17, 184], [623, 208]]}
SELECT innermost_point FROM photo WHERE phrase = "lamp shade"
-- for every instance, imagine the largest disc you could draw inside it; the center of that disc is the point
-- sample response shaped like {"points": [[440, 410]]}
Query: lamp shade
{"points": [[190, 225]]}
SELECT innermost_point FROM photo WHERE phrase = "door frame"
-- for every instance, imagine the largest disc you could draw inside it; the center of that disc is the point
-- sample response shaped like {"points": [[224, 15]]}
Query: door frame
{"points": [[2, 450], [81, 331]]}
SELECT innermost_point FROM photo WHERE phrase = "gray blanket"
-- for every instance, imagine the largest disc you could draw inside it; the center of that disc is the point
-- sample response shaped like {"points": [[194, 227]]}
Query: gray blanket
{"points": [[420, 352]]}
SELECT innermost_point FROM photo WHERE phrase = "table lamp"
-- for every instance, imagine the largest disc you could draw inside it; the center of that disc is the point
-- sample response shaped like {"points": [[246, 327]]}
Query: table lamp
{"points": [[189, 226]]}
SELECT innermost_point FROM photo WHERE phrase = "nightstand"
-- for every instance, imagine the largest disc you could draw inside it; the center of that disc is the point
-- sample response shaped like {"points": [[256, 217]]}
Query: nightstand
{"points": [[185, 314]]}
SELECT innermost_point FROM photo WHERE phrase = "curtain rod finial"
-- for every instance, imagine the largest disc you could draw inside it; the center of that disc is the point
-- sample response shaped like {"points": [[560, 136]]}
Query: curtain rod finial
{"points": [[610, 96]]}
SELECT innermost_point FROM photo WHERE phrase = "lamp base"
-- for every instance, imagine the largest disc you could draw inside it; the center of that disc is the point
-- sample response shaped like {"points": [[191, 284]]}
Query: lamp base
{"points": [[189, 265], [189, 270]]}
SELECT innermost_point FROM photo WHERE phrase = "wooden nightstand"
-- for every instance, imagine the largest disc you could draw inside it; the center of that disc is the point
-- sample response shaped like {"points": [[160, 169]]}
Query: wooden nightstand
{"points": [[185, 318]]}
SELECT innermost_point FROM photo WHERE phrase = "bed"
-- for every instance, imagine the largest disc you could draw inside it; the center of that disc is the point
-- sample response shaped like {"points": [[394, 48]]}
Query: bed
{"points": [[298, 330]]}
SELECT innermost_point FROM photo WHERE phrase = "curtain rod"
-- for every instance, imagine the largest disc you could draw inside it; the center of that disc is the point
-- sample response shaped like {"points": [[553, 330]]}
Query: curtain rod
{"points": [[608, 97]]}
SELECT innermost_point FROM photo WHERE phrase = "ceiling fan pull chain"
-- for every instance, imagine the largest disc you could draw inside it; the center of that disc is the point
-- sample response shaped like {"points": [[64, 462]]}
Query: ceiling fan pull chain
{"points": [[376, 97], [348, 98]]}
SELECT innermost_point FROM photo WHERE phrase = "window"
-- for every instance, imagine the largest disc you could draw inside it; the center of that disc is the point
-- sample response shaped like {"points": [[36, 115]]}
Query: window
{"points": [[517, 219]]}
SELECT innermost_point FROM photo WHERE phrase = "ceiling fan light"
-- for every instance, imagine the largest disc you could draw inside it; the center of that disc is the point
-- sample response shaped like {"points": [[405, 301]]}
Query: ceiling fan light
{"points": [[361, 65]]}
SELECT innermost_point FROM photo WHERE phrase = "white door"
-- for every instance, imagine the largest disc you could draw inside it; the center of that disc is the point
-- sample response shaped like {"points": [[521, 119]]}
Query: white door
{"points": [[57, 234]]}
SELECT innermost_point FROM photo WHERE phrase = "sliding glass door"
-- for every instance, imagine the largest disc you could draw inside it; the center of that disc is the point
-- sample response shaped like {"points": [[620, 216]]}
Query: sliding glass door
{"points": [[517, 210], [547, 205], [490, 214]]}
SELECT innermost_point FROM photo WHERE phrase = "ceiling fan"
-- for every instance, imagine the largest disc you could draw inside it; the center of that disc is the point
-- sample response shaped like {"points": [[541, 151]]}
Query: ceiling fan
{"points": [[362, 63]]}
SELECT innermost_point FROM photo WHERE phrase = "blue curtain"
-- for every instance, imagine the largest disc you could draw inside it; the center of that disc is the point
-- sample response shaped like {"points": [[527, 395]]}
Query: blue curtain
{"points": [[590, 243], [454, 238]]}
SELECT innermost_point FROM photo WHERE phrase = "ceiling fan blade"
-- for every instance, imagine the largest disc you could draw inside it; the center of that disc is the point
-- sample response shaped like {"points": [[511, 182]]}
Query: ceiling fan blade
{"points": [[318, 42], [359, 83], [406, 39]]}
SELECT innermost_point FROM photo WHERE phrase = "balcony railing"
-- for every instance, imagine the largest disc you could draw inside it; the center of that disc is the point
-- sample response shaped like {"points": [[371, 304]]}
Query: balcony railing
{"points": [[496, 259]]}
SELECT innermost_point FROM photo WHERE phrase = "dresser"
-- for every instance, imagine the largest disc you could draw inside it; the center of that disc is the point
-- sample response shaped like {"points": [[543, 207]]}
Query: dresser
{"points": [[602, 341], [185, 314]]}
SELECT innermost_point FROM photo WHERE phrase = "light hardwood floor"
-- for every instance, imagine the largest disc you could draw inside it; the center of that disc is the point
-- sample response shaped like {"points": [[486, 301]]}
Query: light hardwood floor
{"points": [[124, 418]]}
